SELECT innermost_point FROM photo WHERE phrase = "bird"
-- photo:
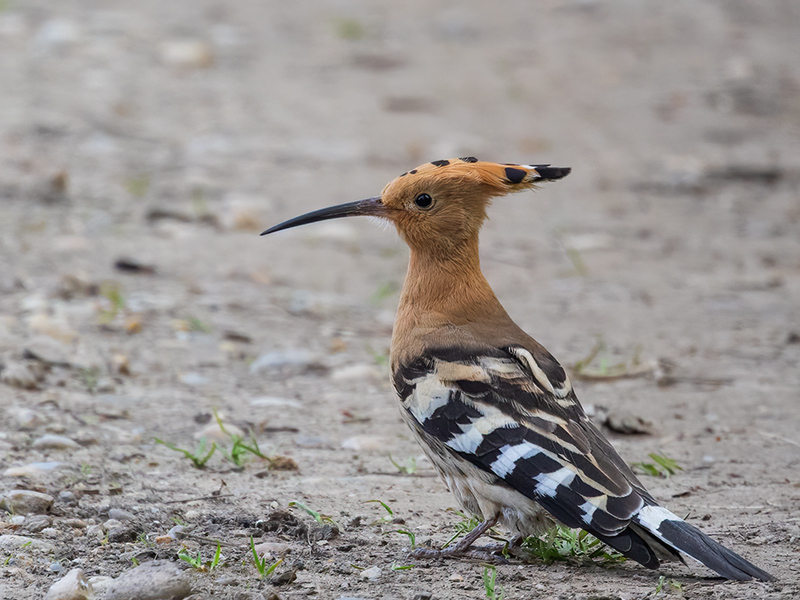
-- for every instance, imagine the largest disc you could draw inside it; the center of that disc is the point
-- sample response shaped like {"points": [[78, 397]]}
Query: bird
{"points": [[492, 409]]}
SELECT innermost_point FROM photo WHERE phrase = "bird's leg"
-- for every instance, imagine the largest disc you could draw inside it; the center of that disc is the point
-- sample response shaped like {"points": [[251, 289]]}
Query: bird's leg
{"points": [[463, 547], [510, 548]]}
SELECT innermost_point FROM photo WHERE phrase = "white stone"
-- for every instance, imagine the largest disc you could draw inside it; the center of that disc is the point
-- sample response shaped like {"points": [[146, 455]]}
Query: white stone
{"points": [[193, 378], [56, 442], [356, 372], [153, 580], [14, 543], [274, 401], [272, 549], [372, 573], [282, 360], [55, 327], [119, 514], [186, 53], [37, 469], [26, 502], [25, 418], [364, 442]]}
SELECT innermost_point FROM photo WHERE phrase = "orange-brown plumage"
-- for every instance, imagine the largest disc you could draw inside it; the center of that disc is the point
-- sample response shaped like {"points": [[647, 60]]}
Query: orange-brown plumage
{"points": [[492, 409]]}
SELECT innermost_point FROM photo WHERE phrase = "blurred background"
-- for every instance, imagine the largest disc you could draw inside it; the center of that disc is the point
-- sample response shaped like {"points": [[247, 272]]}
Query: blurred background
{"points": [[145, 145]]}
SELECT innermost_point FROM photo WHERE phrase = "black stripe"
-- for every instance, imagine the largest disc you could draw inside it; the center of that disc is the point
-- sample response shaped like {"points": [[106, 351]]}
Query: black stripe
{"points": [[515, 175], [548, 172], [446, 421]]}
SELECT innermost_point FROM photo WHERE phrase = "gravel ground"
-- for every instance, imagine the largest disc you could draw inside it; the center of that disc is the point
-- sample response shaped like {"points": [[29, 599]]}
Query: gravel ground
{"points": [[146, 144]]}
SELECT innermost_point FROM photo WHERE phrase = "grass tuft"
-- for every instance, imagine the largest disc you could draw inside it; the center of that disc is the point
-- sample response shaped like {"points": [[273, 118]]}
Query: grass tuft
{"points": [[318, 517], [662, 466], [261, 565], [199, 457], [409, 467], [563, 543], [490, 587]]}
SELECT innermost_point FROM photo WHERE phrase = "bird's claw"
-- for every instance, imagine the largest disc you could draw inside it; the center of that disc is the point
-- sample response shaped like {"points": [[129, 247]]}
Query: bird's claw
{"points": [[484, 554]]}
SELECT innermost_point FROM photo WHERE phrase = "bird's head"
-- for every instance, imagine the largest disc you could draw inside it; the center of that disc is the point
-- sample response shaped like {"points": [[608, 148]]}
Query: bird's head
{"points": [[441, 204]]}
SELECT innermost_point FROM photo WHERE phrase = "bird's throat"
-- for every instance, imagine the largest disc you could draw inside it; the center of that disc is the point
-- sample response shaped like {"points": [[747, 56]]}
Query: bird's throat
{"points": [[443, 291]]}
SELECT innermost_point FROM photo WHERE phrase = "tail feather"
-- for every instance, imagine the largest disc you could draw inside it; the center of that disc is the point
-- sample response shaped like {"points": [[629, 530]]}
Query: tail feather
{"points": [[631, 544], [675, 532]]}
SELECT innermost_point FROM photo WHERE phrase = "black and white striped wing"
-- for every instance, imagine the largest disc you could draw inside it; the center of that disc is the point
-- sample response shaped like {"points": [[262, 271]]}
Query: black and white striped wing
{"points": [[513, 414], [518, 418]]}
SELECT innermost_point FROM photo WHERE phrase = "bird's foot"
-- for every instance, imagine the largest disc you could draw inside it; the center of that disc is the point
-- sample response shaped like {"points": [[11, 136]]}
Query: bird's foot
{"points": [[464, 548], [484, 554]]}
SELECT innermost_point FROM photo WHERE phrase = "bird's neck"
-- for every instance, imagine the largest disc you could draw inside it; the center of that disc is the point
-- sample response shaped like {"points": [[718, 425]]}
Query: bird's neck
{"points": [[444, 290]]}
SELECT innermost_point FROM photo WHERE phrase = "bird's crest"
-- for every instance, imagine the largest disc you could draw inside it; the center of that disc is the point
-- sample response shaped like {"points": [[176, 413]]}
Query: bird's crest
{"points": [[494, 179]]}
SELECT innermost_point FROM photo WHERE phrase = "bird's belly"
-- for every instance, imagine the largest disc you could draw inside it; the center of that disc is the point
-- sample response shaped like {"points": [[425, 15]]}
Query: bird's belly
{"points": [[479, 492]]}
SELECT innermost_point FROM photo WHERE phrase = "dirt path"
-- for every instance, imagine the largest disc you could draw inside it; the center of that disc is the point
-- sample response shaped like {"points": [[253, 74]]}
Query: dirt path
{"points": [[170, 134]]}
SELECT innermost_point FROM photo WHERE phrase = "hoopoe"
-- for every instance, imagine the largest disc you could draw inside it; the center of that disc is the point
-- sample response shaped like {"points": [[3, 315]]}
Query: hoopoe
{"points": [[490, 406]]}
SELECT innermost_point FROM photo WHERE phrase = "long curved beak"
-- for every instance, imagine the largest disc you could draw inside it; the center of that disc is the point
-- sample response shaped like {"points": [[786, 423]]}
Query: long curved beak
{"points": [[368, 207]]}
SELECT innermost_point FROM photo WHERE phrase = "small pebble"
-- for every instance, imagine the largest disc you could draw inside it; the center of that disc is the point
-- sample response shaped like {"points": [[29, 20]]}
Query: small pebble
{"points": [[111, 524], [36, 523], [186, 53], [274, 401], [119, 514], [25, 418], [193, 379], [67, 497], [100, 583], [372, 573], [154, 580], [26, 502], [176, 532], [11, 543], [23, 375], [55, 327], [37, 469], [56, 442], [272, 549], [46, 349], [284, 578], [357, 372], [74, 523], [295, 361], [364, 442], [311, 441], [73, 586]]}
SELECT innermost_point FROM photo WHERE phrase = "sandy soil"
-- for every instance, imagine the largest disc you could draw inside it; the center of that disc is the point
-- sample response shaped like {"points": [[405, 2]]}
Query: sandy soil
{"points": [[170, 134]]}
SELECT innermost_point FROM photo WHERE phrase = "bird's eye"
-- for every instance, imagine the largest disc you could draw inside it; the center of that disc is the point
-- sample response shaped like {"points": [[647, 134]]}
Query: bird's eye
{"points": [[423, 201]]}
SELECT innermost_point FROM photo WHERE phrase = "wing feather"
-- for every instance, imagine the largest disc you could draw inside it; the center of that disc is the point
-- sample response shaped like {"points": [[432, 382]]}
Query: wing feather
{"points": [[512, 413], [515, 415]]}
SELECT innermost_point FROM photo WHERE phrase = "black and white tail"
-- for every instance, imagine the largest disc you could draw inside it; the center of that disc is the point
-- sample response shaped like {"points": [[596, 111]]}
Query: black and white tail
{"points": [[677, 534]]}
